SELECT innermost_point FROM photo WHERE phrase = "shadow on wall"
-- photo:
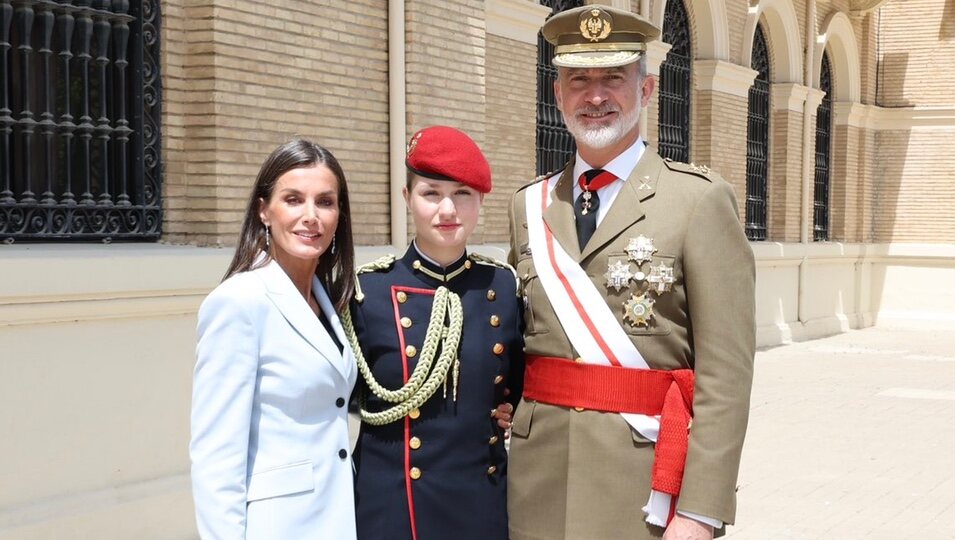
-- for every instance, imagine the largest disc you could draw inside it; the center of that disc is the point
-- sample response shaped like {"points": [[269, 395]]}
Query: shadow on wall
{"points": [[947, 28]]}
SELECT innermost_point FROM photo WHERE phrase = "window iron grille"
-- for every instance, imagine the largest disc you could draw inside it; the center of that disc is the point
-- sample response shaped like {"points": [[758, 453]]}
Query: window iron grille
{"points": [[820, 214], [757, 142], [555, 145], [674, 95], [80, 103]]}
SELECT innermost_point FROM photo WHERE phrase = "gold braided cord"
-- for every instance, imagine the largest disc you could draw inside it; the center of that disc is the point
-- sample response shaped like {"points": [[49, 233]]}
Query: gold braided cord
{"points": [[424, 381], [381, 263]]}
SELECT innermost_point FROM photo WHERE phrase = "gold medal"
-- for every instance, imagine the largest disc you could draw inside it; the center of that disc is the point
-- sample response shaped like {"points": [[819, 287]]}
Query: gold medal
{"points": [[638, 310]]}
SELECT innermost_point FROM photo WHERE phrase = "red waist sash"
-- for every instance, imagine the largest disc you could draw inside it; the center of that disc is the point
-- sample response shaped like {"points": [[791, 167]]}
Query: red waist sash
{"points": [[563, 382]]}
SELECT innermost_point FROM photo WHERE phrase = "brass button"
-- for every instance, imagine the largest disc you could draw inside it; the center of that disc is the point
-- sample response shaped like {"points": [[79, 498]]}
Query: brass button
{"points": [[495, 321], [498, 348], [414, 473], [414, 443], [416, 265], [492, 440], [402, 297], [579, 360], [499, 379], [410, 351], [467, 265], [579, 409], [405, 322], [414, 414], [493, 413], [491, 470], [491, 295]]}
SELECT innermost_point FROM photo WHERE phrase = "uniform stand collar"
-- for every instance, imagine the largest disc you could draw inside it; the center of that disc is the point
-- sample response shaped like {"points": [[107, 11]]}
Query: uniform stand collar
{"points": [[421, 264]]}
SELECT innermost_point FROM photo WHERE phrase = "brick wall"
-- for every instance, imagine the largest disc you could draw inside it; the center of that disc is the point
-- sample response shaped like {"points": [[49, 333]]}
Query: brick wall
{"points": [[719, 137], [243, 76], [785, 176], [918, 53], [511, 127]]}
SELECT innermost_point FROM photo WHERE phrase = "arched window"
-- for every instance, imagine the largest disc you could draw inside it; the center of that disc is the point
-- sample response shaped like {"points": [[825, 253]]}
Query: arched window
{"points": [[555, 145], [674, 117], [820, 214], [80, 120], [757, 142]]}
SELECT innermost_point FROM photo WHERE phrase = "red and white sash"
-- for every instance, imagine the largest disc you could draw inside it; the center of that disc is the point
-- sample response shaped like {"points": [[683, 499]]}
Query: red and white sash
{"points": [[590, 325]]}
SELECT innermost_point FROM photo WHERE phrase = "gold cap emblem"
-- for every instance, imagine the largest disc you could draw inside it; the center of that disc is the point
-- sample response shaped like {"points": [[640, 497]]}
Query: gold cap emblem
{"points": [[596, 26]]}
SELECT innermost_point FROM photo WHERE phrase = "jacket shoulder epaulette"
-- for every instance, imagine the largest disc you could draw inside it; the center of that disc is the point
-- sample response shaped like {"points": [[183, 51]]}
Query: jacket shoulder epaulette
{"points": [[491, 261], [377, 265], [701, 171], [538, 179]]}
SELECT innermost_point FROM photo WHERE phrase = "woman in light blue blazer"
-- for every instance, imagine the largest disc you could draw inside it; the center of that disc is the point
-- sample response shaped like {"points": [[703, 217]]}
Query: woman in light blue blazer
{"points": [[270, 449]]}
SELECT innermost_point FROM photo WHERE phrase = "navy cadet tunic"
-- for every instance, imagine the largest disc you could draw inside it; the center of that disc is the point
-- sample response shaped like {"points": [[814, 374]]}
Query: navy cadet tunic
{"points": [[439, 472]]}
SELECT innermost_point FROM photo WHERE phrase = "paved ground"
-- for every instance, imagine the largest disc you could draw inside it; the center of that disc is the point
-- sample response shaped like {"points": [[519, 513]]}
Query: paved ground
{"points": [[852, 437]]}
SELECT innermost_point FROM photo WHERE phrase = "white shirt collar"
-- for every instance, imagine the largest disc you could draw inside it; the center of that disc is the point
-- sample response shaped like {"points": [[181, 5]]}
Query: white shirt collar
{"points": [[621, 166]]}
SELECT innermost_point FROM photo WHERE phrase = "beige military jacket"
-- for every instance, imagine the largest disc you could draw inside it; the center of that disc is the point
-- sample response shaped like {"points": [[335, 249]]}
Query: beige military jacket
{"points": [[586, 475]]}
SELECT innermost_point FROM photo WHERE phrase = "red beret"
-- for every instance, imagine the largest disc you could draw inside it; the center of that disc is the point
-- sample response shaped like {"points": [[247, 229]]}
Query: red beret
{"points": [[445, 153]]}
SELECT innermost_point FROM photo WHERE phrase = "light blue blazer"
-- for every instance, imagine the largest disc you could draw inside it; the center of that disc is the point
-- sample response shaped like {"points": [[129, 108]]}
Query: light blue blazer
{"points": [[270, 449]]}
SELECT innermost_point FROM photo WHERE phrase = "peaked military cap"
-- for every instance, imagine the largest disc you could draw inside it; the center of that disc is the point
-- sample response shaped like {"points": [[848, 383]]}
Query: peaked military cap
{"points": [[597, 36]]}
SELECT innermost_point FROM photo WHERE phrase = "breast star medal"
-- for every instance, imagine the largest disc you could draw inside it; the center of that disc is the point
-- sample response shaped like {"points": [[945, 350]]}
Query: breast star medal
{"points": [[661, 278], [618, 275], [640, 249], [638, 310]]}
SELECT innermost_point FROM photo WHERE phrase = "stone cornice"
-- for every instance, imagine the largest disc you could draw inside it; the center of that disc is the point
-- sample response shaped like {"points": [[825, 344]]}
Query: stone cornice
{"points": [[519, 20], [723, 76], [888, 119], [788, 96], [814, 99], [656, 54], [861, 7]]}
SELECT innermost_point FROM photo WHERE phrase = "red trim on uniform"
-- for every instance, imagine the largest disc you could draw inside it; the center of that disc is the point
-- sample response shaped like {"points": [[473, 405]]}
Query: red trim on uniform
{"points": [[404, 378], [672, 510], [602, 180], [563, 382], [570, 290]]}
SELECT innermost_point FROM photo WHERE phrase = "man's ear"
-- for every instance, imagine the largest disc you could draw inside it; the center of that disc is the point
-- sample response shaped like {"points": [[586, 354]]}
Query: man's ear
{"points": [[649, 83]]}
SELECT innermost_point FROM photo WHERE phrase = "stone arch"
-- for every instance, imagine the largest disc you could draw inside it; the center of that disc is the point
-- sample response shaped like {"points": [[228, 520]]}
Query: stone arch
{"points": [[837, 35], [782, 30], [710, 27]]}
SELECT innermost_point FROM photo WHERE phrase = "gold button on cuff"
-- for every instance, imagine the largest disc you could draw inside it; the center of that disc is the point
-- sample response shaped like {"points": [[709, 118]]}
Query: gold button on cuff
{"points": [[410, 351], [499, 379], [491, 470], [579, 409], [414, 473], [405, 322], [402, 297], [414, 443], [492, 440], [491, 295], [414, 414], [493, 413], [495, 321], [498, 348]]}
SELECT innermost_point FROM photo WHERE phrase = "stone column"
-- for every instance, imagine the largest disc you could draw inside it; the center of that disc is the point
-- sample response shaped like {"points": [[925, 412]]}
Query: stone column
{"points": [[785, 161]]}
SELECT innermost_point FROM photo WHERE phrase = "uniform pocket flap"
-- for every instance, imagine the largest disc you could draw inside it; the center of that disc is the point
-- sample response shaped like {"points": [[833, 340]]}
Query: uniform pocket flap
{"points": [[283, 480], [521, 426]]}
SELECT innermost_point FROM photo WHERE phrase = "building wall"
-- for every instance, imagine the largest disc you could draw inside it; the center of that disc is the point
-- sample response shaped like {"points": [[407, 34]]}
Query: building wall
{"points": [[242, 77]]}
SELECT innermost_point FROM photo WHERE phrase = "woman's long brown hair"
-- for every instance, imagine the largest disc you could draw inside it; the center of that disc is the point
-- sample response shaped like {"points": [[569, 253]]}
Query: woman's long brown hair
{"points": [[335, 270]]}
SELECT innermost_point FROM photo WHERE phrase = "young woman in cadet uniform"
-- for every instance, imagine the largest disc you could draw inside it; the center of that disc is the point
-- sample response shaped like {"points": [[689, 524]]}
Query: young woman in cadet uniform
{"points": [[440, 348]]}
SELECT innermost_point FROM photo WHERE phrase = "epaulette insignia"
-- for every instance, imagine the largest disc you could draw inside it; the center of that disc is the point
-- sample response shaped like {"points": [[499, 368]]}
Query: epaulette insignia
{"points": [[539, 178], [692, 168], [490, 261], [377, 265]]}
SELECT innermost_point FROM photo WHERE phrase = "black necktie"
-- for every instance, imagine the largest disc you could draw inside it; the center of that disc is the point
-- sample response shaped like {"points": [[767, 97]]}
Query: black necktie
{"points": [[586, 205]]}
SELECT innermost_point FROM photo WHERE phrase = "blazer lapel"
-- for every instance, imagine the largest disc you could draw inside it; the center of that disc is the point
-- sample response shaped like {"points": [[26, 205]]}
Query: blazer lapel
{"points": [[626, 209], [294, 308], [559, 216], [346, 361]]}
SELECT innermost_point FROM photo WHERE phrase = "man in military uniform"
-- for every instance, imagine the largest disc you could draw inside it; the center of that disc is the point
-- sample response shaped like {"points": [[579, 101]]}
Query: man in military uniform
{"points": [[639, 309], [439, 341]]}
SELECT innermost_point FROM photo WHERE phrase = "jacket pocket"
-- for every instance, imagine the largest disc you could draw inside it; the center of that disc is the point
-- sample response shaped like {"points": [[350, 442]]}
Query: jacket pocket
{"points": [[282, 480], [522, 419]]}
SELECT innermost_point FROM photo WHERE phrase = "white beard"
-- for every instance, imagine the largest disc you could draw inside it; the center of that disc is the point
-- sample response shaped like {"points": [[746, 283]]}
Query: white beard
{"points": [[602, 137]]}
